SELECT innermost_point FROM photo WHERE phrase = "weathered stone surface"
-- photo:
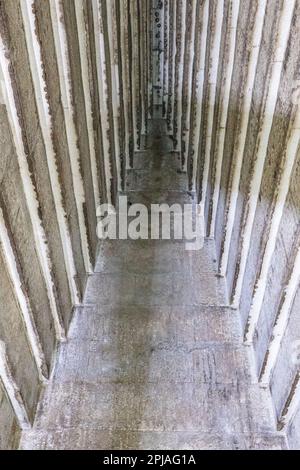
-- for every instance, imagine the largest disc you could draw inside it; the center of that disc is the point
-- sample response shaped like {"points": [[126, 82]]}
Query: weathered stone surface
{"points": [[166, 160], [272, 172], [35, 149], [93, 74], [222, 59], [147, 406], [155, 357], [294, 433], [256, 114], [30, 332], [160, 179], [157, 127], [281, 266], [287, 364], [78, 103], [45, 35], [19, 224], [150, 440], [191, 324], [153, 361], [9, 431], [159, 196], [13, 334], [155, 289], [152, 257], [241, 64]]}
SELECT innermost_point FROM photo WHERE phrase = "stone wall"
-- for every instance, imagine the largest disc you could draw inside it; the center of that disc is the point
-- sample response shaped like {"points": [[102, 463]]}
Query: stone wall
{"points": [[74, 104], [9, 431], [233, 113], [79, 81]]}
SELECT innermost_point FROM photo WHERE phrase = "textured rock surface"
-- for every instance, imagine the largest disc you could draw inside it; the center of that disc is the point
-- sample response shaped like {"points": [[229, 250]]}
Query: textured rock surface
{"points": [[81, 84], [153, 361], [9, 431], [46, 40], [41, 254], [13, 333], [19, 224], [35, 149], [294, 433]]}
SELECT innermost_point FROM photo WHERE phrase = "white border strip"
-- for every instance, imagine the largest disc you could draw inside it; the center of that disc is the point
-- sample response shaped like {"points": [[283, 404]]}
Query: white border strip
{"points": [[61, 47]]}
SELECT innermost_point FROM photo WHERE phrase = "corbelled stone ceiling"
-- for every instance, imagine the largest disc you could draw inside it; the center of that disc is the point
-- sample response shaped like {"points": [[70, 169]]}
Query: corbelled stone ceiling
{"points": [[81, 83]]}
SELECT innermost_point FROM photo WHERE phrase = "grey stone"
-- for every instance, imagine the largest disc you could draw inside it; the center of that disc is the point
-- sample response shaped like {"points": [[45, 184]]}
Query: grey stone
{"points": [[153, 359], [74, 438], [160, 178], [155, 289], [163, 406], [9, 429]]}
